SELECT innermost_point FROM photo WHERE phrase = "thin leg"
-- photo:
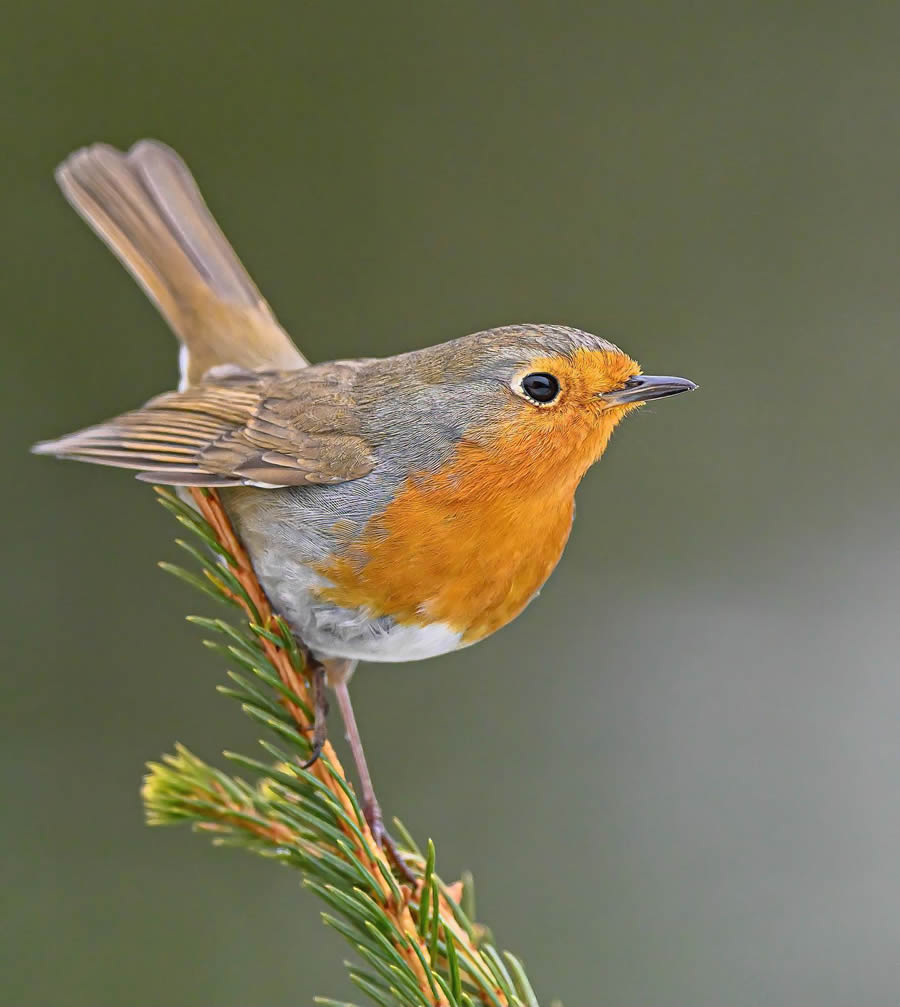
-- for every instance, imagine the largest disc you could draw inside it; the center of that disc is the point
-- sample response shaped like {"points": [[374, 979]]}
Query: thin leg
{"points": [[371, 808], [320, 701], [370, 805]]}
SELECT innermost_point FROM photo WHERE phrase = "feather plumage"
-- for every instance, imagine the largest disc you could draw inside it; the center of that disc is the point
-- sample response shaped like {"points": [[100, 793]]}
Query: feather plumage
{"points": [[279, 429]]}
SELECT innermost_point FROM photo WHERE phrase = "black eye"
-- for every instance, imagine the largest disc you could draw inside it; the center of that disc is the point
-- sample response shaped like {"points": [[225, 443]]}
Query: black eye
{"points": [[540, 387]]}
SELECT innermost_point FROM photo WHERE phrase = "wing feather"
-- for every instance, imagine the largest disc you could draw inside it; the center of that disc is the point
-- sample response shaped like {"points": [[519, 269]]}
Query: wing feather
{"points": [[287, 429]]}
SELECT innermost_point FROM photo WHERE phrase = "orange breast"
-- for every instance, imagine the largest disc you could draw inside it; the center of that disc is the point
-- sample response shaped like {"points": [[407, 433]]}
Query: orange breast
{"points": [[471, 545]]}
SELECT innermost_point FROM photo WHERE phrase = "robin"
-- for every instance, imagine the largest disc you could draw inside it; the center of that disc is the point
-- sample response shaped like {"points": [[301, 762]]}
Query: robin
{"points": [[394, 509]]}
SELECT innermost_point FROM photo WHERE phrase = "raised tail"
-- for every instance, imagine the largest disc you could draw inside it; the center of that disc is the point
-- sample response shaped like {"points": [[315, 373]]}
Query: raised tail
{"points": [[147, 208]]}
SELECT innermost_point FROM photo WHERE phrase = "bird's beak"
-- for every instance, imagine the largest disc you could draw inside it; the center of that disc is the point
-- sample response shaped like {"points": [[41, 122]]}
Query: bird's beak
{"points": [[643, 387]]}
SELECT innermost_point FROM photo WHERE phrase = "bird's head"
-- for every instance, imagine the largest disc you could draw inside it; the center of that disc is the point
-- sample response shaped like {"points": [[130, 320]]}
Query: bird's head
{"points": [[535, 394]]}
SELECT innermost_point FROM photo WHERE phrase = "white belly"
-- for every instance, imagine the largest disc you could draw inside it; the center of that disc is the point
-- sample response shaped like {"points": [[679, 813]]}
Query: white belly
{"points": [[392, 643], [330, 631]]}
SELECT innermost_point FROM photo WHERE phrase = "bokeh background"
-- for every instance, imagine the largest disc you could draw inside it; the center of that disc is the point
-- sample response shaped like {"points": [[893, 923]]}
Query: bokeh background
{"points": [[677, 778]]}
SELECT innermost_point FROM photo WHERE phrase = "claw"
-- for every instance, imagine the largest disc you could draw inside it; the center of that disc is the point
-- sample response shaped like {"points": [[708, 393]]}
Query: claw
{"points": [[384, 840]]}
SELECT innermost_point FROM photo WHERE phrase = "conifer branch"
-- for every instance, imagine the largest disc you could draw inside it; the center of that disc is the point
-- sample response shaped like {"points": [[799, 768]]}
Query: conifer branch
{"points": [[420, 943]]}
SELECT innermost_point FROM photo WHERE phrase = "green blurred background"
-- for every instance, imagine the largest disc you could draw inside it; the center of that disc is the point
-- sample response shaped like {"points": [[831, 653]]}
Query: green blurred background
{"points": [[677, 778]]}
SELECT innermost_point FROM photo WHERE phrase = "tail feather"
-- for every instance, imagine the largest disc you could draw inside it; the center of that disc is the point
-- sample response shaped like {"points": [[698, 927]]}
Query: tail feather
{"points": [[173, 189], [147, 208]]}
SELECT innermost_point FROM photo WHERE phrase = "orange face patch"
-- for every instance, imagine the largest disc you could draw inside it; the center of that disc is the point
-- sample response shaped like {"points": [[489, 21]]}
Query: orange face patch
{"points": [[470, 545], [583, 377]]}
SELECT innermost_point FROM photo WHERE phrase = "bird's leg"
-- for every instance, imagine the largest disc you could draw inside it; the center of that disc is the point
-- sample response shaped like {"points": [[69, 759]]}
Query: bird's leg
{"points": [[338, 677], [320, 709]]}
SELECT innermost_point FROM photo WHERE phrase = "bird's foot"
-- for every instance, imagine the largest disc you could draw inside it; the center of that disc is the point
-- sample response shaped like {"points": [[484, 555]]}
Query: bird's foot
{"points": [[384, 840]]}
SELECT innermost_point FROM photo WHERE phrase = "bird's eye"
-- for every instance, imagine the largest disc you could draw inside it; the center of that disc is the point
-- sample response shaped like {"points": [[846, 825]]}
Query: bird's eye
{"points": [[541, 388]]}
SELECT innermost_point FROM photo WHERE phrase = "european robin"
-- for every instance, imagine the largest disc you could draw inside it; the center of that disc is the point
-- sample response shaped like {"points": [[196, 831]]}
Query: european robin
{"points": [[393, 509]]}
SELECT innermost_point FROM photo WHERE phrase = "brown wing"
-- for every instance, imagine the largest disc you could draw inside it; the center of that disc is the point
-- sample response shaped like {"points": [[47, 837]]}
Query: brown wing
{"points": [[271, 430]]}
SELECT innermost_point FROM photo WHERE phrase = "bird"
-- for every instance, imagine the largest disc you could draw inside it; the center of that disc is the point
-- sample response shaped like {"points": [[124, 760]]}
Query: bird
{"points": [[394, 509]]}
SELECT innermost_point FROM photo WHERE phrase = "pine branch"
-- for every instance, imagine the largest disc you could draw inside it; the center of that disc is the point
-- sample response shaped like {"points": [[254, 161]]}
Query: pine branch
{"points": [[420, 944]]}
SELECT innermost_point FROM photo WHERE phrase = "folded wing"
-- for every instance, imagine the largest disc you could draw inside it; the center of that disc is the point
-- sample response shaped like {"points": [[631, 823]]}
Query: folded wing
{"points": [[270, 430]]}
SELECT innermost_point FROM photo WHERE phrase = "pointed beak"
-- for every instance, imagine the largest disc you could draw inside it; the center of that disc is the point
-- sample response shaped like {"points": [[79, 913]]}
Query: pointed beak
{"points": [[643, 387]]}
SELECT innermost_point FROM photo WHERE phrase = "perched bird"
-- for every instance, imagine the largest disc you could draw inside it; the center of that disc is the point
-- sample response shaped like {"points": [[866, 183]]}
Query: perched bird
{"points": [[394, 509]]}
